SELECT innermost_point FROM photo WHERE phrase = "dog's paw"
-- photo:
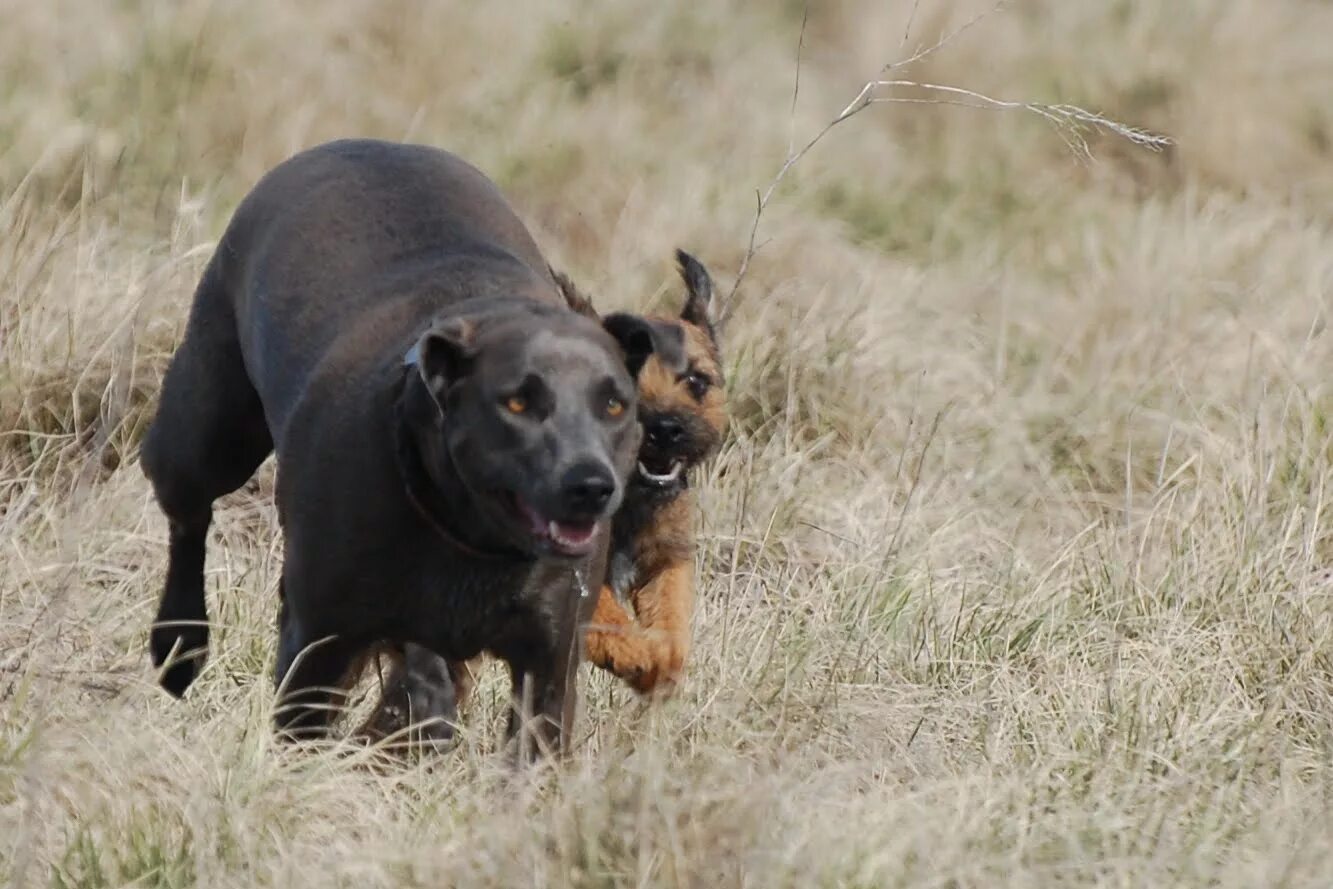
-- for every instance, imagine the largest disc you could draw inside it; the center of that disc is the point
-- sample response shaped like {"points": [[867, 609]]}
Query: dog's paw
{"points": [[179, 652], [625, 653], [611, 650], [664, 673], [393, 727], [416, 715], [647, 660]]}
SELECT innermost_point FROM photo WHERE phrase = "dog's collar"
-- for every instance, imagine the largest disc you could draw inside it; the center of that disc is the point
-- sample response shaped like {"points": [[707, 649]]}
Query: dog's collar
{"points": [[436, 522]]}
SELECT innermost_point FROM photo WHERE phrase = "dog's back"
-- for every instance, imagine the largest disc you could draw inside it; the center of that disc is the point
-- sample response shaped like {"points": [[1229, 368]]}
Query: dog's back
{"points": [[363, 213]]}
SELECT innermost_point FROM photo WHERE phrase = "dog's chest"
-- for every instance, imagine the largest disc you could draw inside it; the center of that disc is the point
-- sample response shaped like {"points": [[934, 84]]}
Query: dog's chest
{"points": [[462, 604], [622, 566]]}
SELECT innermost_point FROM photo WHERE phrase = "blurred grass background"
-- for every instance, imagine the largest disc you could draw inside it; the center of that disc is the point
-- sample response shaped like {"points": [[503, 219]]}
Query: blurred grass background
{"points": [[1015, 570]]}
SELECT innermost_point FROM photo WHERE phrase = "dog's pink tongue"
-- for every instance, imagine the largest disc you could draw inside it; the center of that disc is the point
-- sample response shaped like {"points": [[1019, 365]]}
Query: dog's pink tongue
{"points": [[572, 536]]}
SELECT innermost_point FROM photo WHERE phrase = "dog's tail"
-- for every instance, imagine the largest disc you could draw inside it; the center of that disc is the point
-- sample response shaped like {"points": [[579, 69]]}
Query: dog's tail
{"points": [[574, 298]]}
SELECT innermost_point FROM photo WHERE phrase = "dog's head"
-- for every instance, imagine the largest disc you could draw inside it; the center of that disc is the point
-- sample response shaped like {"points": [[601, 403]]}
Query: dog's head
{"points": [[682, 402], [533, 416]]}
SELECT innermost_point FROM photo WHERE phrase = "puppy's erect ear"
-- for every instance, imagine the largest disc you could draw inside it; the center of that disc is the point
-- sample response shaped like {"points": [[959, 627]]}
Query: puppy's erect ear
{"points": [[699, 284], [640, 338], [574, 298], [443, 354]]}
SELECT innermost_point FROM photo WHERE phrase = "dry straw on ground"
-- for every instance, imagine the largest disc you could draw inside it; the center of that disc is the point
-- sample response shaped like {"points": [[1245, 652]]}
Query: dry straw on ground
{"points": [[1015, 572]]}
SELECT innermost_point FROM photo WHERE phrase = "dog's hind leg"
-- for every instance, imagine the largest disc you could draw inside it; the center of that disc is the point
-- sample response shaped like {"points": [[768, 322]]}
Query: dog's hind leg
{"points": [[208, 437]]}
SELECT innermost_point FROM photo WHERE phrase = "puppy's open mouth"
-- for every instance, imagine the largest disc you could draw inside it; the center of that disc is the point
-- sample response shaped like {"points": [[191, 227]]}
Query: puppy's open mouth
{"points": [[568, 538], [661, 475]]}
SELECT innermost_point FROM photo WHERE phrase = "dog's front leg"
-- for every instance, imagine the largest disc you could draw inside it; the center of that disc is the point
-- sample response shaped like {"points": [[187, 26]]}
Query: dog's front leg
{"points": [[664, 608], [613, 640], [543, 667], [536, 713], [312, 675], [648, 652]]}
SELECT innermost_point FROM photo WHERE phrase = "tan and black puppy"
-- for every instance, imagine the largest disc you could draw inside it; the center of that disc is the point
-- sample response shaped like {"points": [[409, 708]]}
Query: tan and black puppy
{"points": [[451, 439], [683, 411]]}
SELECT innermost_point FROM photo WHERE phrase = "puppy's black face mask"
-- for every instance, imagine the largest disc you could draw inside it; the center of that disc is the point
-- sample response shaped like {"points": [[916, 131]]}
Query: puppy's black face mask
{"points": [[682, 401]]}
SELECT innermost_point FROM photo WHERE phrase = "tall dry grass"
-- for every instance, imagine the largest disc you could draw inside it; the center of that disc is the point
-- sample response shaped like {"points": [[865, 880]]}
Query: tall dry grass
{"points": [[1014, 572]]}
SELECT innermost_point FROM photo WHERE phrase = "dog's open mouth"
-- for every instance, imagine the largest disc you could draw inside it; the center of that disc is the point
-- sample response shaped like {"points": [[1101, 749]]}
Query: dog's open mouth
{"points": [[660, 473], [569, 538]]}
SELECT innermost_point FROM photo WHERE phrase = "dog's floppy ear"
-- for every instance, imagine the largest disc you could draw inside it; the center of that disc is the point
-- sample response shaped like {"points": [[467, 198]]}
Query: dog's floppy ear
{"points": [[640, 337], [443, 354], [699, 285]]}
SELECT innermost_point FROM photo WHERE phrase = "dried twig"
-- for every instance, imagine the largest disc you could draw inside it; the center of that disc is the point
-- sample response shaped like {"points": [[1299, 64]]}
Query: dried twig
{"points": [[1070, 121], [911, 20], [943, 41], [796, 88]]}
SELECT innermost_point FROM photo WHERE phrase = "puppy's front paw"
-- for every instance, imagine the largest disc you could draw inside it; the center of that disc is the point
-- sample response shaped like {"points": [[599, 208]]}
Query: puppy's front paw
{"points": [[665, 670], [627, 652], [649, 661]]}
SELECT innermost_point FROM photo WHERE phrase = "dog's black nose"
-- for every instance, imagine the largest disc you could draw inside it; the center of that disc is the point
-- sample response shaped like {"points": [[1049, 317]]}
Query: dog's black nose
{"points": [[587, 488], [664, 431]]}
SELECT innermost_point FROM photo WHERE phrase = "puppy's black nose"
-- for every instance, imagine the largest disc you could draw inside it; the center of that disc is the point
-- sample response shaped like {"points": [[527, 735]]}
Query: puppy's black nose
{"points": [[664, 431], [587, 488]]}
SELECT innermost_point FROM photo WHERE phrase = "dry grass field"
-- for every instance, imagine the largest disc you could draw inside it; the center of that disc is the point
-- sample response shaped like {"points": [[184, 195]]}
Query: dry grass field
{"points": [[1017, 568]]}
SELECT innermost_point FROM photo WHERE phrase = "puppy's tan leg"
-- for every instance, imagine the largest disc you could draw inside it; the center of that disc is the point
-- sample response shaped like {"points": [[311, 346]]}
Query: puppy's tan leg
{"points": [[614, 642], [664, 608]]}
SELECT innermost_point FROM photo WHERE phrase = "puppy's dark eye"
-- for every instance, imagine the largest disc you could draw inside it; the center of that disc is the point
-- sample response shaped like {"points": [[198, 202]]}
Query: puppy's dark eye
{"points": [[698, 384], [516, 404], [614, 407]]}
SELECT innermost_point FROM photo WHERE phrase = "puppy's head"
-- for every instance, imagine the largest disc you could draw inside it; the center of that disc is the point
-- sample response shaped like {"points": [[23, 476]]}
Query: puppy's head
{"points": [[534, 415], [682, 402]]}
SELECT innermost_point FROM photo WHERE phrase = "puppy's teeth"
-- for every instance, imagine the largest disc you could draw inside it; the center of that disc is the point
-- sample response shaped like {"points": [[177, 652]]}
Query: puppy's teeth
{"points": [[663, 478], [553, 530]]}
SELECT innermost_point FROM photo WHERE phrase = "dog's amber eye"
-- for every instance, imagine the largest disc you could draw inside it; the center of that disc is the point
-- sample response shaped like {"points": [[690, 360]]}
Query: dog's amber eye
{"points": [[516, 404], [614, 407]]}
